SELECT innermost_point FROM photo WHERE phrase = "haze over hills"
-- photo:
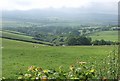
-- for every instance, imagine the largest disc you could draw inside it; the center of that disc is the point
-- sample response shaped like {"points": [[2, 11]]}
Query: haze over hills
{"points": [[102, 12], [84, 16]]}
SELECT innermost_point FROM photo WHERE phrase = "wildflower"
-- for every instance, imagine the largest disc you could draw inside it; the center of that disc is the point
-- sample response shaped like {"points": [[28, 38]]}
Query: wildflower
{"points": [[45, 71], [37, 78], [78, 69], [92, 70], [28, 75], [39, 73], [56, 73], [108, 71], [39, 68], [82, 62], [31, 68], [36, 69], [72, 67], [76, 78], [20, 77], [60, 69]]}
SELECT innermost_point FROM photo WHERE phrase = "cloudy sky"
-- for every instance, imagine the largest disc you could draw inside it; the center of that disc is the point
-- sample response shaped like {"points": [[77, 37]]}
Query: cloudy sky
{"points": [[41, 4]]}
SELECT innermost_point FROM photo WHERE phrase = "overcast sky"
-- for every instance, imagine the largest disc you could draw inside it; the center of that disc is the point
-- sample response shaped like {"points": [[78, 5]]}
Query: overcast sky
{"points": [[41, 4]]}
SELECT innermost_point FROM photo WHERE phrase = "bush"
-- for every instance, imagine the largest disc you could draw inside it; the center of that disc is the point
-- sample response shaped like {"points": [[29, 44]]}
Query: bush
{"points": [[78, 40]]}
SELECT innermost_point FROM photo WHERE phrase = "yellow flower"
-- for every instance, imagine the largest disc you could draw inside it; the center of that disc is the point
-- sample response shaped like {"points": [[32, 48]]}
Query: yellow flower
{"points": [[92, 70], [72, 67], [45, 71], [39, 69], [31, 68]]}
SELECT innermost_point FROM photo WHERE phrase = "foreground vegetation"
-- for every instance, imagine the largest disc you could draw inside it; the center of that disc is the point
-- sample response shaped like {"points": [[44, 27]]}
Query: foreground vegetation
{"points": [[26, 54], [78, 72]]}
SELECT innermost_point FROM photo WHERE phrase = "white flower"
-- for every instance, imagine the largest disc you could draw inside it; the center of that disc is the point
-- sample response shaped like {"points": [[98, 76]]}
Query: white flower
{"points": [[37, 78]]}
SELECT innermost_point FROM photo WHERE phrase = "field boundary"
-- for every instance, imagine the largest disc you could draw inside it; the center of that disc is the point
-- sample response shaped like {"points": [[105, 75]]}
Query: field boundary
{"points": [[25, 40]]}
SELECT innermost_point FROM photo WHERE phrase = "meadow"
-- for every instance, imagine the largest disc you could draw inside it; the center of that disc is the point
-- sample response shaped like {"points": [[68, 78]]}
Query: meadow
{"points": [[106, 35], [17, 56], [18, 36]]}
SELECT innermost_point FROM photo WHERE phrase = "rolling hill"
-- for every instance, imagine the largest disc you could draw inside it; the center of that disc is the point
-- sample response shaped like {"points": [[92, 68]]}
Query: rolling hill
{"points": [[21, 37]]}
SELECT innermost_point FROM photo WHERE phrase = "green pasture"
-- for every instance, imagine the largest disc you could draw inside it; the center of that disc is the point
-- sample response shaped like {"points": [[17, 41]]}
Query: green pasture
{"points": [[12, 34], [106, 35], [7, 34], [17, 56]]}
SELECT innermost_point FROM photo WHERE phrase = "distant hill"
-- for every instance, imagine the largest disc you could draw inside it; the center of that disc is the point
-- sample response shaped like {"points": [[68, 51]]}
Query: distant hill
{"points": [[61, 15]]}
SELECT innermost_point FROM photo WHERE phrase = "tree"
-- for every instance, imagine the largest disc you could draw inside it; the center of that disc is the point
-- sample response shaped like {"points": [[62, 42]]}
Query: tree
{"points": [[75, 33], [96, 42], [71, 40], [81, 40], [102, 42], [78, 40], [84, 31]]}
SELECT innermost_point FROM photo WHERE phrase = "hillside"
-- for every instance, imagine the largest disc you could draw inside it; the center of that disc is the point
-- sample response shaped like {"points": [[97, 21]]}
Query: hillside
{"points": [[20, 37]]}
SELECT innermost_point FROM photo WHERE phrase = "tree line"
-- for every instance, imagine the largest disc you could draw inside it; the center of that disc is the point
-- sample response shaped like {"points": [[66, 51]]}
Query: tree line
{"points": [[83, 40]]}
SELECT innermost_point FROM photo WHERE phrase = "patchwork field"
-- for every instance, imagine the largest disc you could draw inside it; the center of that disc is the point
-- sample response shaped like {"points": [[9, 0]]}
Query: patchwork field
{"points": [[17, 56], [19, 36]]}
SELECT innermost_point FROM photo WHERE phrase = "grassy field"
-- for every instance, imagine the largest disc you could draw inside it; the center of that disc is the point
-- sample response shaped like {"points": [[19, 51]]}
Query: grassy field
{"points": [[17, 56], [7, 34], [19, 36], [106, 35]]}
